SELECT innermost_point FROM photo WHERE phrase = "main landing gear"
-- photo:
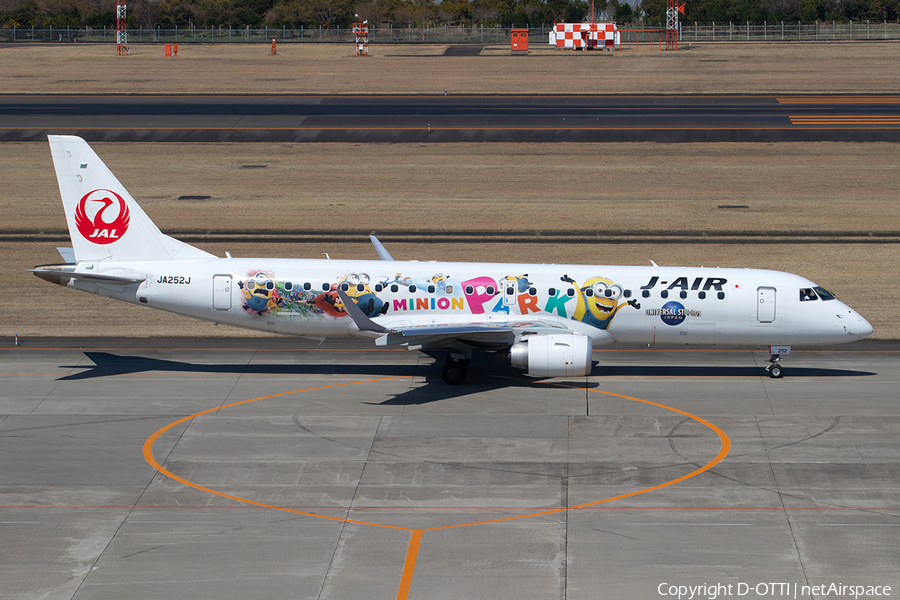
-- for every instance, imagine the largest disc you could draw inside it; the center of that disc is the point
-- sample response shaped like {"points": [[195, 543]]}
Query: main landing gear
{"points": [[775, 370], [455, 369]]}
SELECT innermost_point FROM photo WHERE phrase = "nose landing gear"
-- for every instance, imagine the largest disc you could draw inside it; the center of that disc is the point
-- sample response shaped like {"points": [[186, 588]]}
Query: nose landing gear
{"points": [[775, 370]]}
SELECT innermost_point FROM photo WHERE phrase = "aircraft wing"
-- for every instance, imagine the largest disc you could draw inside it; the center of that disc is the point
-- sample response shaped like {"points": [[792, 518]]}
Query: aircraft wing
{"points": [[383, 253], [479, 335], [488, 334]]}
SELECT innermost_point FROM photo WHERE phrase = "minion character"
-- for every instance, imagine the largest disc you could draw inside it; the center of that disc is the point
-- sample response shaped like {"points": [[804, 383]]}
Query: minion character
{"points": [[598, 301], [358, 289], [519, 281], [399, 278], [358, 284], [519, 284], [260, 296]]}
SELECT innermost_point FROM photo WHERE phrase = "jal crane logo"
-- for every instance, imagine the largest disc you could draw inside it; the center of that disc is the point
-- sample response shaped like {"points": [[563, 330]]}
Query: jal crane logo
{"points": [[97, 221]]}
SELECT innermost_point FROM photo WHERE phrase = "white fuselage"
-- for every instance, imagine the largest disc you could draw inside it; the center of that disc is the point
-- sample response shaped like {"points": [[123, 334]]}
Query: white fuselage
{"points": [[645, 305]]}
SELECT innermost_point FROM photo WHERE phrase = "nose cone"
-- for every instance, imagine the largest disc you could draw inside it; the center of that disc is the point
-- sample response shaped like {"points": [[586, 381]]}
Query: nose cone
{"points": [[859, 327]]}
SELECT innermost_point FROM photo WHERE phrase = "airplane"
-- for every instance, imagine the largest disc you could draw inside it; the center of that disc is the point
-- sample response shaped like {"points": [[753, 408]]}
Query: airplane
{"points": [[542, 319]]}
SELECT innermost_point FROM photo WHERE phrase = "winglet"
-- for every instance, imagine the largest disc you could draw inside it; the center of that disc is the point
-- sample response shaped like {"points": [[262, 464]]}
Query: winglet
{"points": [[362, 321], [383, 254]]}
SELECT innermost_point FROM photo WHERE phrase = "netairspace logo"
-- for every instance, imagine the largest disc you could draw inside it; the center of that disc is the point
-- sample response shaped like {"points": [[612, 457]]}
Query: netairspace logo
{"points": [[712, 591]]}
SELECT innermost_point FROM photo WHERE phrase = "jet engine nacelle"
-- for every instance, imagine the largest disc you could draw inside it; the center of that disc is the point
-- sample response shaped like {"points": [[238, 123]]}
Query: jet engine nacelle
{"points": [[555, 355]]}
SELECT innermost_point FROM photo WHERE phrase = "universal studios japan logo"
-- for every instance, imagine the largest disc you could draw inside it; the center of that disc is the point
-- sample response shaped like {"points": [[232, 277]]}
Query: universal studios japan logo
{"points": [[102, 216], [673, 313]]}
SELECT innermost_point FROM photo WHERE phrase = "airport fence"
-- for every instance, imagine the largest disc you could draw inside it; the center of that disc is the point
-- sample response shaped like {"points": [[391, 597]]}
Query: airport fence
{"points": [[716, 32], [791, 32]]}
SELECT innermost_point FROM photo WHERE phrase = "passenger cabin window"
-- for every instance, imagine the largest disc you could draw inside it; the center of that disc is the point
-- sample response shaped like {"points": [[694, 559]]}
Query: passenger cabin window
{"points": [[571, 292], [345, 286], [288, 286], [683, 294], [824, 294], [664, 294], [806, 295], [701, 295], [645, 293], [307, 286], [270, 285], [469, 290], [490, 290], [721, 295], [510, 290], [430, 289], [628, 293], [360, 287], [395, 288], [532, 291], [448, 289], [589, 293], [412, 289], [378, 287], [552, 292], [326, 287]]}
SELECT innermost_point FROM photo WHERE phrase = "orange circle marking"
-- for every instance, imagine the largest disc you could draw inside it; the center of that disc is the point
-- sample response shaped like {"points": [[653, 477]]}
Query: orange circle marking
{"points": [[416, 534]]}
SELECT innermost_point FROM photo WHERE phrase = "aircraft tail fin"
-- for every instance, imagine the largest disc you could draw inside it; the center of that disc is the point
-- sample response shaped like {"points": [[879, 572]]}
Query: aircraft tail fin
{"points": [[105, 222]]}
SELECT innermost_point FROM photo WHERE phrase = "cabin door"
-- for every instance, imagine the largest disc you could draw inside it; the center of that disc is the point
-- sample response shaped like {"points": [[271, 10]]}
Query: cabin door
{"points": [[222, 292], [765, 307]]}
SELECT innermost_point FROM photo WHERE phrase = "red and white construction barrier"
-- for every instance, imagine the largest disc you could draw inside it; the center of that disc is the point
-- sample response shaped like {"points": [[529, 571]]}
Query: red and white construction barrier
{"points": [[602, 36]]}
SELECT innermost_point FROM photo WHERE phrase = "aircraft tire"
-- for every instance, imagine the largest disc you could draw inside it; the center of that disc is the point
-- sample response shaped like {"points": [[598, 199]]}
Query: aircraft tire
{"points": [[776, 372], [453, 373]]}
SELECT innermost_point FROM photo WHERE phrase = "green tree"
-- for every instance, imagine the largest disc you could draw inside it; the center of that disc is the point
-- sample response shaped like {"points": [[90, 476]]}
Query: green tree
{"points": [[623, 12], [23, 15], [329, 13]]}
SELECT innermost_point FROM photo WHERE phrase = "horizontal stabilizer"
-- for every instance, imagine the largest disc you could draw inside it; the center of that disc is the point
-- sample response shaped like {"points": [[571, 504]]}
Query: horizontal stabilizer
{"points": [[61, 274]]}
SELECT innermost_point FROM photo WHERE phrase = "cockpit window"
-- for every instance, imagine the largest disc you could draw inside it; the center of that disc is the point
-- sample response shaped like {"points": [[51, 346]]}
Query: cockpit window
{"points": [[807, 294], [824, 294]]}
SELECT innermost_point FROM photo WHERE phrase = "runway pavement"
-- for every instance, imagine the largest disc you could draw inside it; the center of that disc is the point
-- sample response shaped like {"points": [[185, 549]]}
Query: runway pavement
{"points": [[202, 468], [285, 118]]}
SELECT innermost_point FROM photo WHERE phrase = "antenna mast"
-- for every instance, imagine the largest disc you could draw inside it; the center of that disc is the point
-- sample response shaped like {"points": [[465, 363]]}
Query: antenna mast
{"points": [[121, 29], [672, 10]]}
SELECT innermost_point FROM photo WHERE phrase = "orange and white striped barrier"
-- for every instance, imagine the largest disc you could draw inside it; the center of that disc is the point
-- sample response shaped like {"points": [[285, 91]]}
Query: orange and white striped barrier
{"points": [[579, 36]]}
